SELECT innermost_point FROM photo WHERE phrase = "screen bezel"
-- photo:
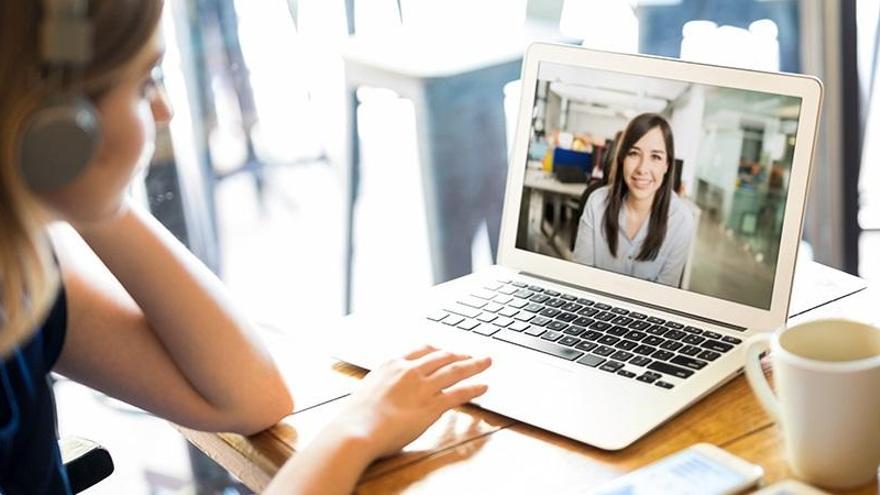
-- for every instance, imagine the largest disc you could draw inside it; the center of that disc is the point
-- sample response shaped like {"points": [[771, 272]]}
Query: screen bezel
{"points": [[808, 88]]}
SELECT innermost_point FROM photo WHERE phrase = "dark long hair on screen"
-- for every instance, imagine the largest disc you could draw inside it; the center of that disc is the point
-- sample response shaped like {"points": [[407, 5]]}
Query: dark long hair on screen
{"points": [[638, 127]]}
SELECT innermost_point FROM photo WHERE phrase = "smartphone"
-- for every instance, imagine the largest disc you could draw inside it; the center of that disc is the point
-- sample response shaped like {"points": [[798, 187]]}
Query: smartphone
{"points": [[790, 487], [701, 469]]}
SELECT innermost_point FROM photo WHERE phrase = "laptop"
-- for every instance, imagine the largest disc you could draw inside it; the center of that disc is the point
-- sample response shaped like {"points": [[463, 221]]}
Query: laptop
{"points": [[604, 348]]}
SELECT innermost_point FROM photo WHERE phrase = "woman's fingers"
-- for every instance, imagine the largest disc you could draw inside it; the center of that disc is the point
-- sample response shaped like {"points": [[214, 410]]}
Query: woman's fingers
{"points": [[421, 351], [429, 363], [460, 395], [457, 371]]}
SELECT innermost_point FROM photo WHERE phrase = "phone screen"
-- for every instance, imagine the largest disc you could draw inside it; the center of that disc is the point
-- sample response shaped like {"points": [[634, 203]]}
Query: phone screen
{"points": [[685, 473]]}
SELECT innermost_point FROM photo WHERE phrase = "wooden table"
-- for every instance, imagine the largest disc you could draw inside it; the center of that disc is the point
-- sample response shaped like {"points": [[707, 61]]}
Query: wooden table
{"points": [[470, 450]]}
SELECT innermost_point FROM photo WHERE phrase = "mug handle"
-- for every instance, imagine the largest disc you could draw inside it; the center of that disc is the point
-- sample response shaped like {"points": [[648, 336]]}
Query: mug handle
{"points": [[755, 374]]}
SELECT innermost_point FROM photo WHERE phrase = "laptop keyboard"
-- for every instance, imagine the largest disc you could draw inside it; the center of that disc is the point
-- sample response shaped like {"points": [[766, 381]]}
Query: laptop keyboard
{"points": [[615, 340]]}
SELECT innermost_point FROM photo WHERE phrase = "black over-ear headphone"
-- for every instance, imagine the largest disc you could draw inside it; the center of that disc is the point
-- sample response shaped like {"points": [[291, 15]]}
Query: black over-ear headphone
{"points": [[61, 137]]}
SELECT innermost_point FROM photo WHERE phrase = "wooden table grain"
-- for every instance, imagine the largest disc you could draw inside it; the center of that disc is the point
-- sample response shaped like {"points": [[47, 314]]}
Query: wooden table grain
{"points": [[471, 450]]}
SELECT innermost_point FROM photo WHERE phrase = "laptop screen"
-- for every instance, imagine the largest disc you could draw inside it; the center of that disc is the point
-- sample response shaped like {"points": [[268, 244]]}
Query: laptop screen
{"points": [[672, 182]]}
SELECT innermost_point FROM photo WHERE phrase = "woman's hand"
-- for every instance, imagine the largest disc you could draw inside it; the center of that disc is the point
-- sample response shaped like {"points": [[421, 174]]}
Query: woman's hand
{"points": [[399, 400]]}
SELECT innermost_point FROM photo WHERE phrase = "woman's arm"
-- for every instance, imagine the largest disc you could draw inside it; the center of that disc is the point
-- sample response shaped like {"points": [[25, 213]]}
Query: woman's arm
{"points": [[393, 406], [157, 330]]}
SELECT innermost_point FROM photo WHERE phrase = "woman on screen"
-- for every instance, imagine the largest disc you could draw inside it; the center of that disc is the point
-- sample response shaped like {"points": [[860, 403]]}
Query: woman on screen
{"points": [[637, 225]]}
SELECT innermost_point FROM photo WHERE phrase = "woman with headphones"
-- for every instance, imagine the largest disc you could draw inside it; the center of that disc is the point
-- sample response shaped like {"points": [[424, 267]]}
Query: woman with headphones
{"points": [[637, 225], [118, 304]]}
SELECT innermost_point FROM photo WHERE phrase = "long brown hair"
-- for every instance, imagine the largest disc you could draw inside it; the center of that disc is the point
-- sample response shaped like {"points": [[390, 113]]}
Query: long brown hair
{"points": [[638, 127], [121, 28]]}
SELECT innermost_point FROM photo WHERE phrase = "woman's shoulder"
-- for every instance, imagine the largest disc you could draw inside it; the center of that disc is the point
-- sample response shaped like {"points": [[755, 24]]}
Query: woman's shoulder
{"points": [[682, 213], [598, 196]]}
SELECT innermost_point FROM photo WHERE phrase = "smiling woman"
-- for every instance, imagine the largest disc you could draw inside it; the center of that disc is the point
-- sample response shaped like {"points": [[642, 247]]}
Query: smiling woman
{"points": [[646, 230]]}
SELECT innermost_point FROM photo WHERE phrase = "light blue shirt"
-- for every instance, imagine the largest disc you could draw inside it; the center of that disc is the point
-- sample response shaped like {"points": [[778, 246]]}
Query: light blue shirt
{"points": [[591, 247]]}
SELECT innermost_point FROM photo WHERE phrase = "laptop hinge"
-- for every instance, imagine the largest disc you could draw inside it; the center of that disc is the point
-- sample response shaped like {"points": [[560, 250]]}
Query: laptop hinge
{"points": [[639, 303]]}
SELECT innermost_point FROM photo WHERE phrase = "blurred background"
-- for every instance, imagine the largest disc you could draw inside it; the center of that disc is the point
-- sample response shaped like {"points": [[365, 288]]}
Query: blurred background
{"points": [[328, 156]]}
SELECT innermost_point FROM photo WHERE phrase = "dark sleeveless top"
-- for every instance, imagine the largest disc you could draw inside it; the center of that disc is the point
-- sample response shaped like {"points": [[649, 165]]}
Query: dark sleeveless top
{"points": [[30, 461]]}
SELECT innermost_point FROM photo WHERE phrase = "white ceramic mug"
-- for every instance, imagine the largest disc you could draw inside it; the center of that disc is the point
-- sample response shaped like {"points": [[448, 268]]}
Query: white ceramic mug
{"points": [[827, 401]]}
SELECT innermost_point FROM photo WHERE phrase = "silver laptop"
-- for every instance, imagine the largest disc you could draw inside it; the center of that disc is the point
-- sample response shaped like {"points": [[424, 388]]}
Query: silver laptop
{"points": [[697, 173]]}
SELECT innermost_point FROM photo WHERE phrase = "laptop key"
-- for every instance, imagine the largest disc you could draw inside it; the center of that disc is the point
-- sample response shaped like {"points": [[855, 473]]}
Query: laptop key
{"points": [[693, 330], [493, 307], [635, 335], [585, 302], [712, 335], [473, 302], [657, 330], [507, 290], [620, 311], [585, 346], [453, 320], [582, 321], [626, 345], [662, 355], [508, 312], [523, 293], [605, 316], [626, 374], [551, 292], [693, 339], [617, 331], [568, 297], [468, 324], [611, 366], [571, 307], [569, 341], [493, 286], [487, 317], [555, 303], [653, 340], [714, 345], [557, 326], [484, 329], [518, 304], [566, 317], [671, 345], [655, 320], [518, 326], [462, 310], [609, 340], [604, 350], [591, 335], [647, 378], [573, 330], [533, 331], [644, 350], [535, 288], [638, 316], [690, 350], [694, 364], [674, 324], [588, 311], [523, 316], [600, 325], [539, 298], [709, 355], [539, 345], [662, 384], [502, 321], [731, 340], [602, 306], [622, 356], [591, 360], [533, 308], [670, 370], [674, 334], [549, 312], [551, 335], [483, 294], [640, 361], [622, 320], [540, 321], [437, 315], [639, 325], [502, 299]]}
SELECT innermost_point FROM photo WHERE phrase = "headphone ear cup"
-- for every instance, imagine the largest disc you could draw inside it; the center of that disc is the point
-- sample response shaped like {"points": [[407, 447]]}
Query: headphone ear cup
{"points": [[58, 143]]}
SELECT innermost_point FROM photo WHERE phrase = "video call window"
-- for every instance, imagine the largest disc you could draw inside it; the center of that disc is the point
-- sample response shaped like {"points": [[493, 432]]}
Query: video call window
{"points": [[672, 182]]}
